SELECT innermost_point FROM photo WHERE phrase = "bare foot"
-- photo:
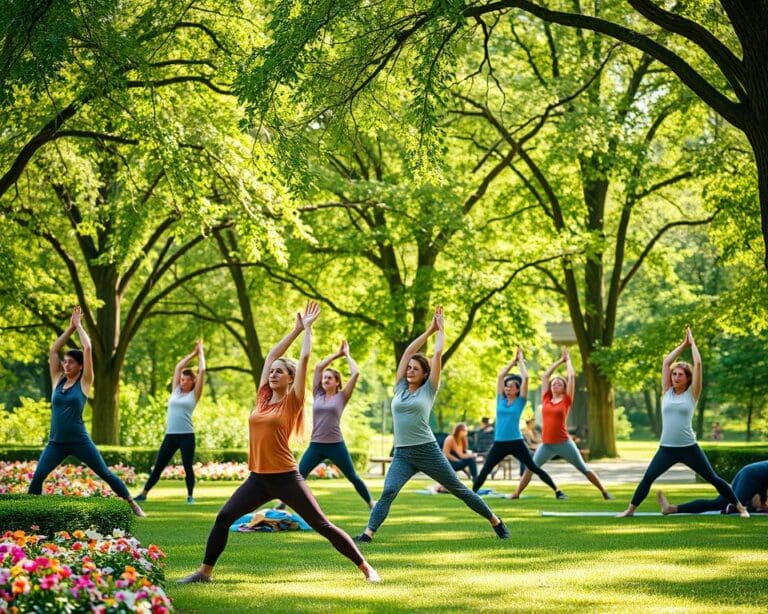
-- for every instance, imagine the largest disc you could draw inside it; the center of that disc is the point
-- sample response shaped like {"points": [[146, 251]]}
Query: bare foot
{"points": [[136, 509], [626, 513], [370, 573], [666, 508], [514, 495], [742, 511]]}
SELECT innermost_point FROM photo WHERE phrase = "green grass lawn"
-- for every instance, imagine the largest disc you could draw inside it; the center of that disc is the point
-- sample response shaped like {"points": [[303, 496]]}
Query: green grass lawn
{"points": [[435, 555]]}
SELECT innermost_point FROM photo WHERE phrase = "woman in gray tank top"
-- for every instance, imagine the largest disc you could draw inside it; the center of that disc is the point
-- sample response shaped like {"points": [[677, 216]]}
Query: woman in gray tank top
{"points": [[682, 385]]}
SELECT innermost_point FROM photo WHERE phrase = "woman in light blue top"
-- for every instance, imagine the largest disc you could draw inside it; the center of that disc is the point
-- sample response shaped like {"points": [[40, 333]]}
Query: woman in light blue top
{"points": [[187, 388], [415, 446], [682, 384]]}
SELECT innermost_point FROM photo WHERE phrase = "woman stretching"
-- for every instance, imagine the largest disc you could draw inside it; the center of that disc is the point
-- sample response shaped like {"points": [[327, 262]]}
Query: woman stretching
{"points": [[511, 396], [682, 387], [279, 412], [329, 403], [179, 431], [72, 379], [455, 450], [556, 400], [750, 486], [415, 446]]}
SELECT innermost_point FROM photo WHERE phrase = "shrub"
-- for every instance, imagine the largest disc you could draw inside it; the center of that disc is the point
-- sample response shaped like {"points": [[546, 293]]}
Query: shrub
{"points": [[727, 460], [27, 424], [51, 513]]}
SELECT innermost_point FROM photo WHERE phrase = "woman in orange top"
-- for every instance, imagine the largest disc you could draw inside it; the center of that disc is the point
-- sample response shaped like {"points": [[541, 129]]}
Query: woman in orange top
{"points": [[556, 400], [279, 412]]}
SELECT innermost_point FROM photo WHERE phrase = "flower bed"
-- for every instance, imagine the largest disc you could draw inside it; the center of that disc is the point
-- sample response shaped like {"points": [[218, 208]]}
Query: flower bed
{"points": [[234, 471], [64, 480], [80, 572]]}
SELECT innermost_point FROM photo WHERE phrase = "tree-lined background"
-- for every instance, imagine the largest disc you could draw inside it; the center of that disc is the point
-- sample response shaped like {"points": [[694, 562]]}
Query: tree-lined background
{"points": [[200, 169]]}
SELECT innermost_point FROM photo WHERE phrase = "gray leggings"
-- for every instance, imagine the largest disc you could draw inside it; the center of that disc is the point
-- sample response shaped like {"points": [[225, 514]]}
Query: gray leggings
{"points": [[426, 457], [566, 450]]}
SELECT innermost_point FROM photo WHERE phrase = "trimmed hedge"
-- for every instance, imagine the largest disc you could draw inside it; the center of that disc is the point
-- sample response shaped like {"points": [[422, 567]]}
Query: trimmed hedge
{"points": [[142, 459], [727, 460], [51, 513]]}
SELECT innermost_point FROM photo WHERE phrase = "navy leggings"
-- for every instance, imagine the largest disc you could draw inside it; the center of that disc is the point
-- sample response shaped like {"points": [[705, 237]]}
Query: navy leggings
{"points": [[172, 442], [745, 486], [460, 464], [690, 456], [290, 487], [520, 451], [85, 450], [338, 454]]}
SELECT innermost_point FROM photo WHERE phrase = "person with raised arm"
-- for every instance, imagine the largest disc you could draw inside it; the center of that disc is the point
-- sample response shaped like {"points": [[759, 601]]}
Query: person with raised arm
{"points": [[556, 400], [327, 441], [72, 379], [279, 412], [186, 390], [682, 384], [511, 397], [417, 381]]}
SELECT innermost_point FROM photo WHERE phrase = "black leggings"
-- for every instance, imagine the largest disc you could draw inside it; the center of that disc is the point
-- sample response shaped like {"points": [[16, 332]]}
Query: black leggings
{"points": [[520, 451], [290, 487], [172, 442], [690, 456]]}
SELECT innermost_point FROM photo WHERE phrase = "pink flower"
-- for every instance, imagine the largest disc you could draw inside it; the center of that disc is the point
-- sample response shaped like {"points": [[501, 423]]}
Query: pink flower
{"points": [[49, 581]]}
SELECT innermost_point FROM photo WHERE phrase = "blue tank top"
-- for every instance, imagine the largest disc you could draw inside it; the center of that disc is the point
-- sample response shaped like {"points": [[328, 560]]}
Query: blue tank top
{"points": [[67, 413]]}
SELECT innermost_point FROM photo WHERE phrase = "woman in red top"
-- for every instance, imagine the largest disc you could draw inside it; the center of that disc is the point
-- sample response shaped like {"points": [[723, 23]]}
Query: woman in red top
{"points": [[556, 400], [279, 412]]}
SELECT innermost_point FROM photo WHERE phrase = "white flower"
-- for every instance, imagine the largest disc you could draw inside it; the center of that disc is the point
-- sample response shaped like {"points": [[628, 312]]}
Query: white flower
{"points": [[91, 534], [118, 533]]}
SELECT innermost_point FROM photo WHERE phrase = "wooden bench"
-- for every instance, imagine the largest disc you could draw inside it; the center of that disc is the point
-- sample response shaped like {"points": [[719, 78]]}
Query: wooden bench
{"points": [[384, 460]]}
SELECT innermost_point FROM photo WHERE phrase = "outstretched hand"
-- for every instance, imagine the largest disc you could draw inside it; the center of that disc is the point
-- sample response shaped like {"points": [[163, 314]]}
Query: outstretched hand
{"points": [[199, 346], [311, 313], [344, 350], [689, 336], [438, 323], [566, 356], [77, 317]]}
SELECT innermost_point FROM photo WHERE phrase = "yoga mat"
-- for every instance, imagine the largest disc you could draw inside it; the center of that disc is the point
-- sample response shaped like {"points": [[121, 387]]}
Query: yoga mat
{"points": [[609, 514]]}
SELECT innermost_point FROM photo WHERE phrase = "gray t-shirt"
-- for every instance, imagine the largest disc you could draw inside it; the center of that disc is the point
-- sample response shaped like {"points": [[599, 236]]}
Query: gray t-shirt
{"points": [[410, 414], [676, 418], [326, 417], [180, 408]]}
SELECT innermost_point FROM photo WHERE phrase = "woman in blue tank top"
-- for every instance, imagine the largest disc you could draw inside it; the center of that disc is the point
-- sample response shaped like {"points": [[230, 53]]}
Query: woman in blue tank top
{"points": [[186, 390], [681, 384], [72, 379]]}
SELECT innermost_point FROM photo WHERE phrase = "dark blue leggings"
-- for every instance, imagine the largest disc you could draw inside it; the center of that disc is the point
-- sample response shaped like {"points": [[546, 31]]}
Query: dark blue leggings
{"points": [[83, 450], [469, 463], [172, 442], [520, 451], [338, 454], [690, 456], [745, 485]]}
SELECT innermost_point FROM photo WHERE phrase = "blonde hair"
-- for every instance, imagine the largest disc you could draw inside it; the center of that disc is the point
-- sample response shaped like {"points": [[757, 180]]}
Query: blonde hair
{"points": [[558, 377], [298, 424], [686, 368]]}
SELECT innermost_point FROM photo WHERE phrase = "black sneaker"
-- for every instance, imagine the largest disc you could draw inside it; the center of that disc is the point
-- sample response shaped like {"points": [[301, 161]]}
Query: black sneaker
{"points": [[501, 530], [607, 496], [363, 538], [559, 494]]}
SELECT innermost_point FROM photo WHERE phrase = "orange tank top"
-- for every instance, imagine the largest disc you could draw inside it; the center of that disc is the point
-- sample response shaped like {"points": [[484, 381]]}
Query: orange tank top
{"points": [[553, 416], [269, 429]]}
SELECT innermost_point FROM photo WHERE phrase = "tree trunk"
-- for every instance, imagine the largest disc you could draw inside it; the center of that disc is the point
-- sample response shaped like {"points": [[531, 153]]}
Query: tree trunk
{"points": [[105, 427], [650, 409], [600, 407], [750, 408], [702, 405], [759, 141]]}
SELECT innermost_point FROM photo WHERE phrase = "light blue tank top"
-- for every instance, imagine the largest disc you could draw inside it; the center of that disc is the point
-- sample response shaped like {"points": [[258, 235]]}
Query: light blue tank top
{"points": [[180, 408], [410, 414], [676, 418], [508, 418], [67, 424]]}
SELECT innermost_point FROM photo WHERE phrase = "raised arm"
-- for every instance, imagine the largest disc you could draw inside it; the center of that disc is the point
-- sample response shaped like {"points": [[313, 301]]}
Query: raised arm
{"points": [[54, 354], [697, 381], [669, 359], [200, 370], [317, 376], [413, 347], [354, 371], [503, 373], [437, 354], [570, 379], [307, 320], [181, 365], [279, 349], [523, 372], [86, 379], [548, 373]]}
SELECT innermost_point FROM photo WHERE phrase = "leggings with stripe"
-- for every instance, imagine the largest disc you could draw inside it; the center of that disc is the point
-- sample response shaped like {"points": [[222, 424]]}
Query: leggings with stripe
{"points": [[428, 458], [172, 442], [290, 487], [520, 451], [85, 450], [691, 456]]}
